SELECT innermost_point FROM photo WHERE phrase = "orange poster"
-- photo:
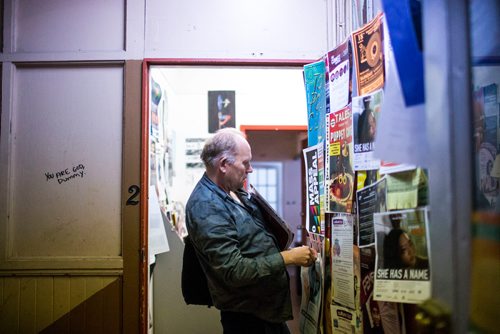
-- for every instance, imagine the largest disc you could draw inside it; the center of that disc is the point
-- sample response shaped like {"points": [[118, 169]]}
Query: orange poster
{"points": [[369, 56]]}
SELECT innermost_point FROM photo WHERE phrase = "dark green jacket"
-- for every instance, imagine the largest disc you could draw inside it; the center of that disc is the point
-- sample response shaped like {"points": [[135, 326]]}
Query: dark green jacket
{"points": [[244, 269]]}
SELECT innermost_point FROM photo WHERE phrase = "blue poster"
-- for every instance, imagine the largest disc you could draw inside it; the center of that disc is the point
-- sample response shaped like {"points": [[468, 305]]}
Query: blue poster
{"points": [[314, 80]]}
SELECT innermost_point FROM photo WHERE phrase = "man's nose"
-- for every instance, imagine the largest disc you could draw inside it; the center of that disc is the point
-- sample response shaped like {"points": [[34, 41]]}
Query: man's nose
{"points": [[249, 169]]}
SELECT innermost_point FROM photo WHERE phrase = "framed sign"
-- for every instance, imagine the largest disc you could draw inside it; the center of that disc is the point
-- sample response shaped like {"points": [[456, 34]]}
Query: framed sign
{"points": [[221, 110]]}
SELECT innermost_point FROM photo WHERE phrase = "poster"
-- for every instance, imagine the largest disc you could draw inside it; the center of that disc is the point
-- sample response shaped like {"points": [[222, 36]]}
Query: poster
{"points": [[155, 98], [383, 317], [194, 146], [339, 175], [317, 242], [312, 165], [345, 321], [161, 147], [368, 52], [327, 269], [343, 282], [314, 81], [367, 268], [491, 114], [370, 199], [310, 307], [321, 179], [157, 236], [486, 132], [221, 110], [402, 262], [339, 75], [194, 166], [365, 115], [407, 190]]}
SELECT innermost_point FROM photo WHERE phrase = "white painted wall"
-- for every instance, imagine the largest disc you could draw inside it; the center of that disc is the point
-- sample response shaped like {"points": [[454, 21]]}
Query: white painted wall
{"points": [[287, 29]]}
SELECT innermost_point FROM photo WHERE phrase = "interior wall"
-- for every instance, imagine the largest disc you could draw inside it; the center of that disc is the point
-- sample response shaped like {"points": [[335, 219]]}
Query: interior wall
{"points": [[259, 29], [66, 33], [170, 312], [65, 256]]}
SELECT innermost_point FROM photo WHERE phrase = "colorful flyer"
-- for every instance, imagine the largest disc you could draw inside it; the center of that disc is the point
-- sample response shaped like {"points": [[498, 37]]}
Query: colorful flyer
{"points": [[365, 115], [313, 210], [339, 62], [368, 50], [339, 174], [314, 80]]}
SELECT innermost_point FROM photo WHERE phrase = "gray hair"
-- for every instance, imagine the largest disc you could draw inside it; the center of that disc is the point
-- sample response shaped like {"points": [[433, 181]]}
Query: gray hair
{"points": [[221, 145]]}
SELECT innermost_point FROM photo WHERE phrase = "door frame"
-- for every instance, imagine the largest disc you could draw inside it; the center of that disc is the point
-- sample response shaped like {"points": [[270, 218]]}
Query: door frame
{"points": [[144, 160]]}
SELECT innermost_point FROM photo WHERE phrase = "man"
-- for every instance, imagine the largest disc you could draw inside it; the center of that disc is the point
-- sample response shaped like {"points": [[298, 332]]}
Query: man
{"points": [[246, 272]]}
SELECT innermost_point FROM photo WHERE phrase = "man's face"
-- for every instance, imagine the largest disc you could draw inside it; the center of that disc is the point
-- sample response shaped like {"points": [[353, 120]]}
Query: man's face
{"points": [[236, 173]]}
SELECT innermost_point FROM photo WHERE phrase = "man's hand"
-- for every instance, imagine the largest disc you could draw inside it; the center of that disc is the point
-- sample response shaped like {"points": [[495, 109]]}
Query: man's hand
{"points": [[300, 256]]}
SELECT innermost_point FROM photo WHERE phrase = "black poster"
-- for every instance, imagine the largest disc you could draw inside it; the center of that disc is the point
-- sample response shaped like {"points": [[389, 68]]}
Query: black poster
{"points": [[370, 199], [221, 110]]}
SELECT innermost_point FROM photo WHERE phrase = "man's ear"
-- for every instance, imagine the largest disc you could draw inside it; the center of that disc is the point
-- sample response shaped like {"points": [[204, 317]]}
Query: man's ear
{"points": [[223, 165]]}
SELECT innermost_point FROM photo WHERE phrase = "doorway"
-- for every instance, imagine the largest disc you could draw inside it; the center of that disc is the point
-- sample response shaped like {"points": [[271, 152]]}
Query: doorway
{"points": [[176, 122], [278, 174]]}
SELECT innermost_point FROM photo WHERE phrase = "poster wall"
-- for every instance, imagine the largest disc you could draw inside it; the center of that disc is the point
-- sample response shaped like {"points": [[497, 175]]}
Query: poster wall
{"points": [[370, 204]]}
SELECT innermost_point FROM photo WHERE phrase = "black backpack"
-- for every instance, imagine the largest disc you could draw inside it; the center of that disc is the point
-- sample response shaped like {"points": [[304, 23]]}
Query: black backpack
{"points": [[193, 281]]}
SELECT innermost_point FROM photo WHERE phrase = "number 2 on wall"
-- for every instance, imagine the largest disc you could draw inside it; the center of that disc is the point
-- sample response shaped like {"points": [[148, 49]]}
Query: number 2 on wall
{"points": [[135, 191]]}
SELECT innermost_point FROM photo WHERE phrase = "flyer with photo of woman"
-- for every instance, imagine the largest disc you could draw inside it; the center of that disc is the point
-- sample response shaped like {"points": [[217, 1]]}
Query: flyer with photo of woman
{"points": [[402, 270]]}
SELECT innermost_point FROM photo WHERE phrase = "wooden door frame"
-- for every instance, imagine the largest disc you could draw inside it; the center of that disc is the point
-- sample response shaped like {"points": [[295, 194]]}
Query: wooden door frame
{"points": [[144, 161]]}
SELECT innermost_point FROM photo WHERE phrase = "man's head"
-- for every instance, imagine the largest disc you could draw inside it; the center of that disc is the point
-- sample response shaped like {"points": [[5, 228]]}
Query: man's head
{"points": [[227, 157]]}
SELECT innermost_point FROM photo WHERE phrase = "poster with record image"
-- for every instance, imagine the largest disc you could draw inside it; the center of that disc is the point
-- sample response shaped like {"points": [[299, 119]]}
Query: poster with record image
{"points": [[369, 56]]}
